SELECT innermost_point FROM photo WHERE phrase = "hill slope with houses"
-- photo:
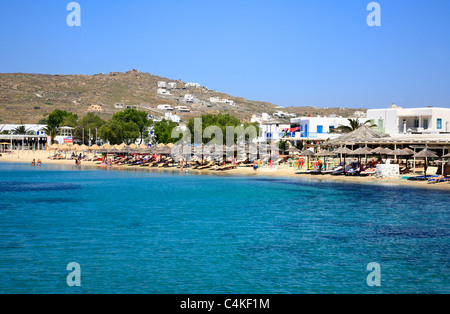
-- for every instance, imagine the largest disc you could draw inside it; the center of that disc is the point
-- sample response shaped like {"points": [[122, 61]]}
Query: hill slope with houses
{"points": [[28, 98]]}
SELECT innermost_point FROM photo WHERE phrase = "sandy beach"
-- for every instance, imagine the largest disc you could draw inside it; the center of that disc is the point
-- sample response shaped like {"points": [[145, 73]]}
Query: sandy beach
{"points": [[286, 172]]}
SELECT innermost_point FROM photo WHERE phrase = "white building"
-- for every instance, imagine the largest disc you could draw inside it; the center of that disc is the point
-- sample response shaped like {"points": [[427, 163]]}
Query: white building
{"points": [[172, 86], [169, 117], [182, 109], [282, 114], [189, 98], [163, 91], [273, 131], [264, 117], [360, 114], [162, 84], [396, 120], [214, 100], [164, 107], [317, 127], [228, 102], [196, 85], [35, 129]]}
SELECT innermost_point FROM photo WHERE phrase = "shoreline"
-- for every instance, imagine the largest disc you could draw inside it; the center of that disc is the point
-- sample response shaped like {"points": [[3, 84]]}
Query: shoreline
{"points": [[27, 157]]}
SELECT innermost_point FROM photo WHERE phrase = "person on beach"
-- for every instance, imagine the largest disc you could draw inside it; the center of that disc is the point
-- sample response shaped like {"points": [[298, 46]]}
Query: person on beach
{"points": [[39, 162], [33, 163], [255, 166]]}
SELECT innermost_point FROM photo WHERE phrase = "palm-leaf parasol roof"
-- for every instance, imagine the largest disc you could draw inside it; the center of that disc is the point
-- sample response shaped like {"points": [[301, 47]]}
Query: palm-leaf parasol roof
{"points": [[360, 134], [425, 154], [343, 150]]}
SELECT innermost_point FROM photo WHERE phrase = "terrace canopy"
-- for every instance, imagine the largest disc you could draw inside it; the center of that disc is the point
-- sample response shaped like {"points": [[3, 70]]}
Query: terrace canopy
{"points": [[356, 136]]}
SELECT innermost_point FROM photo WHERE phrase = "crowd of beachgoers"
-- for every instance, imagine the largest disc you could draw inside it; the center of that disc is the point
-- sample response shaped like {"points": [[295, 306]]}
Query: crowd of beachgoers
{"points": [[339, 162]]}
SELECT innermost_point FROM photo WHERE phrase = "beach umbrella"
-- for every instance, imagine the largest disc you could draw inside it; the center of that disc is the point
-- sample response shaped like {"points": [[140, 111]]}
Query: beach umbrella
{"points": [[443, 163], [425, 154], [143, 146], [95, 147], [379, 151], [343, 151], [293, 150], [325, 153], [114, 151], [409, 151], [399, 152], [133, 146], [308, 154], [361, 151]]}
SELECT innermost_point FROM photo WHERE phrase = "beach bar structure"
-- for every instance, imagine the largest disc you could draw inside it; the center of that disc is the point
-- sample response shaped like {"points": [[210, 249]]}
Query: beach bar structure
{"points": [[25, 142]]}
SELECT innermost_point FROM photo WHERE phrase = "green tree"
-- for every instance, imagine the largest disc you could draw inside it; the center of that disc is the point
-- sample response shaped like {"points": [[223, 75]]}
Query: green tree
{"points": [[220, 120], [283, 146], [354, 125], [140, 118], [52, 132], [21, 130], [89, 121], [58, 117], [117, 132], [163, 132]]}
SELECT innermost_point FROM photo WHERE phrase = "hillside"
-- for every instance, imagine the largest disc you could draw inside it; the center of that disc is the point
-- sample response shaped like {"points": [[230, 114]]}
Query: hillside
{"points": [[27, 98]]}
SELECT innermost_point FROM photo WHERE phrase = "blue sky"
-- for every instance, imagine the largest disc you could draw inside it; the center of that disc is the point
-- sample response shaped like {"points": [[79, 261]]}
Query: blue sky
{"points": [[288, 52]]}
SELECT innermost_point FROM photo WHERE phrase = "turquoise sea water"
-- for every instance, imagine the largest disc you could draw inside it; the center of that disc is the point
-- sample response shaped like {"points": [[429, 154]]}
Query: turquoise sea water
{"points": [[143, 232]]}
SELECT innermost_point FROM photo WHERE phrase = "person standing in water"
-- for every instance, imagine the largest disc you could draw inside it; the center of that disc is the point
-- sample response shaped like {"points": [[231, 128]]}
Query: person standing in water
{"points": [[33, 163]]}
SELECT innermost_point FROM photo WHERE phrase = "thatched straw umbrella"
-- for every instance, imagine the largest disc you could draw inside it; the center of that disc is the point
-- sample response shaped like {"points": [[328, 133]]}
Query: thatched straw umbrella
{"points": [[380, 151], [358, 135], [361, 151], [325, 153], [425, 154], [308, 154], [82, 148], [143, 146], [132, 146], [399, 152], [293, 150], [445, 156], [342, 151], [95, 147]]}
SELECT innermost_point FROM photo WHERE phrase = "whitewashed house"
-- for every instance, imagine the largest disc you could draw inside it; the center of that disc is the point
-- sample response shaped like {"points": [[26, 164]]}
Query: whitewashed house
{"points": [[396, 120], [317, 127], [196, 85], [163, 91], [164, 107], [182, 109], [172, 85], [189, 98], [162, 84]]}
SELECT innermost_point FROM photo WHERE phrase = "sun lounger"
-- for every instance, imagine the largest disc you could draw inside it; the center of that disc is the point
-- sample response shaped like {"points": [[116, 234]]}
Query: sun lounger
{"points": [[421, 178], [341, 171], [368, 172], [439, 179]]}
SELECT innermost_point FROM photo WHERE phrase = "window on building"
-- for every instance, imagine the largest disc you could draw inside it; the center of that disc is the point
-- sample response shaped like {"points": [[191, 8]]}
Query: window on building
{"points": [[320, 129], [416, 123], [425, 124], [439, 124]]}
